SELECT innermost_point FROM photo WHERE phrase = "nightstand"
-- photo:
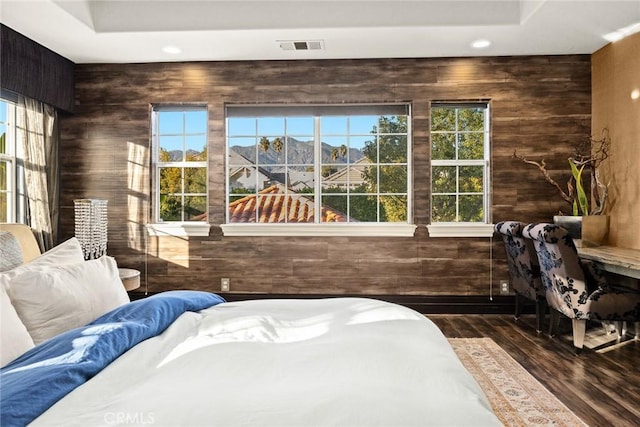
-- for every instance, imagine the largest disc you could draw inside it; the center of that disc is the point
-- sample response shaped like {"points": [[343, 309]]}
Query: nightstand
{"points": [[130, 278]]}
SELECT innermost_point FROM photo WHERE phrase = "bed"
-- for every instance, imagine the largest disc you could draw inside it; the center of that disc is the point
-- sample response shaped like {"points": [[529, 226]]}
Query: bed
{"points": [[187, 358]]}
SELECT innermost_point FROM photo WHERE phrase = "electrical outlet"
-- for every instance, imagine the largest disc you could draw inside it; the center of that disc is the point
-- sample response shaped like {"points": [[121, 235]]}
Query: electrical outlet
{"points": [[224, 284], [504, 287]]}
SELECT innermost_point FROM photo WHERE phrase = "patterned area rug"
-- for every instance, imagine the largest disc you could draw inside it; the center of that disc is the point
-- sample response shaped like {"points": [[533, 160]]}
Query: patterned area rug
{"points": [[517, 398]]}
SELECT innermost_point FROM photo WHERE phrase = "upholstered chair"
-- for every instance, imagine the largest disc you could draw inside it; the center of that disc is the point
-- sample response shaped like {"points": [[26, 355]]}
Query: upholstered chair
{"points": [[524, 271], [574, 290]]}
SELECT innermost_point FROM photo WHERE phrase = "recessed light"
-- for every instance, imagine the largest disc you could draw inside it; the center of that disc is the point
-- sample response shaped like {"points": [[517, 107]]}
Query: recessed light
{"points": [[635, 94], [171, 49], [480, 44]]}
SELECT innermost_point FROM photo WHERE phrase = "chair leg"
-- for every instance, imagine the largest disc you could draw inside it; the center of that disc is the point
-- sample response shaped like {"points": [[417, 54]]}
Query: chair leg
{"points": [[579, 330], [516, 316], [541, 306], [554, 322]]}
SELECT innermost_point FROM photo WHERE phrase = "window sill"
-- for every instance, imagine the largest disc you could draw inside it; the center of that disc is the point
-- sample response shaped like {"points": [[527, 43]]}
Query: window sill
{"points": [[331, 230], [190, 229], [456, 229]]}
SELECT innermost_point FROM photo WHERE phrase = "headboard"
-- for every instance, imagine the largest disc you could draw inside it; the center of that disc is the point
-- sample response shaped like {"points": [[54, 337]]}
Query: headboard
{"points": [[25, 237]]}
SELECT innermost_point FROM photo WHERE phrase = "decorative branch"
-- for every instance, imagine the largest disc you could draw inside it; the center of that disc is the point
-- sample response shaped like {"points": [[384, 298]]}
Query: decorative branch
{"points": [[588, 154], [542, 166]]}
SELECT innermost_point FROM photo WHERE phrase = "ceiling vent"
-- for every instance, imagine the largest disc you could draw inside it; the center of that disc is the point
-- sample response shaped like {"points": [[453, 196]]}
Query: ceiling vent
{"points": [[301, 44]]}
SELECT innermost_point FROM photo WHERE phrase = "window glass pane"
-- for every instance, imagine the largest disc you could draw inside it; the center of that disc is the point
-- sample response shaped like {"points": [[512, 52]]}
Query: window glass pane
{"points": [[443, 208], [240, 126], [443, 119], [4, 207], [195, 208], [393, 149], [363, 208], [271, 150], [370, 180], [244, 147], [170, 122], [300, 126], [3, 112], [443, 146], [271, 126], [356, 145], [332, 125], [443, 179], [4, 175], [336, 180], [362, 125], [471, 146], [300, 152], [170, 180], [393, 208], [195, 180], [3, 137], [243, 179], [173, 146], [196, 122], [393, 179], [334, 208], [301, 179], [196, 148], [471, 119], [471, 209], [393, 124], [471, 179], [170, 208]]}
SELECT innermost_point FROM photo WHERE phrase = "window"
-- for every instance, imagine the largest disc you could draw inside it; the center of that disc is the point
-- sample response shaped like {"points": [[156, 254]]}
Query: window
{"points": [[180, 166], [11, 181], [459, 169], [327, 170]]}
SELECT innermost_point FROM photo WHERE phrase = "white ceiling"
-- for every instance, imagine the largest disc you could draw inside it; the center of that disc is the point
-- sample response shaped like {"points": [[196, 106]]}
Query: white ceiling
{"points": [[121, 31]]}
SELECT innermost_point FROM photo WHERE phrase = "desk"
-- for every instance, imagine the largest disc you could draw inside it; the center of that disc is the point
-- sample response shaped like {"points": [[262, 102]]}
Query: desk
{"points": [[625, 262]]}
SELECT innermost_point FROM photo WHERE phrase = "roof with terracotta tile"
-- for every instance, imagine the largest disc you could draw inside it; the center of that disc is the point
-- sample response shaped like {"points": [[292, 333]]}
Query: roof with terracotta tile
{"points": [[274, 205]]}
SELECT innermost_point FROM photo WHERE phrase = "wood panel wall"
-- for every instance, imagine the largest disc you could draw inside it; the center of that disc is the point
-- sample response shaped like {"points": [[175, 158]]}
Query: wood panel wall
{"points": [[30, 69], [616, 106], [540, 106]]}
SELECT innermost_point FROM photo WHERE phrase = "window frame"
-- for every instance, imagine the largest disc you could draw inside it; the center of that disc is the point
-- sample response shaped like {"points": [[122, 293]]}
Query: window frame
{"points": [[12, 157], [158, 226], [464, 228], [319, 228]]}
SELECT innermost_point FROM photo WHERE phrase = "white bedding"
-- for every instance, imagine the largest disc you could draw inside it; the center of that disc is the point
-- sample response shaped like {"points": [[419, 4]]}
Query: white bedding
{"points": [[329, 362]]}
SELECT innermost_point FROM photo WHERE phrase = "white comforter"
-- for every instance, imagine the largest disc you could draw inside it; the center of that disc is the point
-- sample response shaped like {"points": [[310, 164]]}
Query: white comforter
{"points": [[330, 362]]}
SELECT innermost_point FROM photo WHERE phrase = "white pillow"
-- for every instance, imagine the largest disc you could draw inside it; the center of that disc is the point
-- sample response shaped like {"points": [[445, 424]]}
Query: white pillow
{"points": [[14, 338], [67, 252], [54, 299]]}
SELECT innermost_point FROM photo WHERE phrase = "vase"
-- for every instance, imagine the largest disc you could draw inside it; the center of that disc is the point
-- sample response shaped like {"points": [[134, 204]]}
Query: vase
{"points": [[591, 230]]}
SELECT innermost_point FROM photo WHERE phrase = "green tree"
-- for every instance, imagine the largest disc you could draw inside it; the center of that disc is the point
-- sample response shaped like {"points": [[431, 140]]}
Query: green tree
{"points": [[388, 154]]}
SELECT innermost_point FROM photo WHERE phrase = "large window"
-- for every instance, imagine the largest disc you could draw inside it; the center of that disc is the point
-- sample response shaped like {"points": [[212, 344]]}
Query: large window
{"points": [[180, 163], [459, 163], [11, 173], [318, 165]]}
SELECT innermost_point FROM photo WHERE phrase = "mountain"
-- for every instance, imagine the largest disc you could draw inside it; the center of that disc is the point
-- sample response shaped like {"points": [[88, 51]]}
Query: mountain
{"points": [[298, 152]]}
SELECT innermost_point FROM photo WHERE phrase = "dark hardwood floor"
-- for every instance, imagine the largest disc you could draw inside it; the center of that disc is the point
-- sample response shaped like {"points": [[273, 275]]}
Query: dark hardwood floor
{"points": [[601, 386]]}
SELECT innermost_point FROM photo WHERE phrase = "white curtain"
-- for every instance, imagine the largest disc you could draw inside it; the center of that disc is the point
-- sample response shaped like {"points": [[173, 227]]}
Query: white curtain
{"points": [[37, 132]]}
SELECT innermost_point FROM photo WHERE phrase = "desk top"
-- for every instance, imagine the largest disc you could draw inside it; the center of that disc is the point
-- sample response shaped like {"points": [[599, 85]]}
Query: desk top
{"points": [[616, 260]]}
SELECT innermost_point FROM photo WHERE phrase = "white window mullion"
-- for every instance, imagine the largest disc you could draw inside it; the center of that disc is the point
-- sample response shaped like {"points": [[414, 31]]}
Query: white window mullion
{"points": [[317, 174]]}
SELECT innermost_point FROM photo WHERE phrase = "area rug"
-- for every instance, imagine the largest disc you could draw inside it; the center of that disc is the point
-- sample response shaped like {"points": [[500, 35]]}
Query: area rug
{"points": [[516, 397]]}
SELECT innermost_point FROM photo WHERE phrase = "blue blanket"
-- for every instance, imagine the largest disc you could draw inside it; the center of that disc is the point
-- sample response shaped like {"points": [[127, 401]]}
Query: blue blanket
{"points": [[45, 374]]}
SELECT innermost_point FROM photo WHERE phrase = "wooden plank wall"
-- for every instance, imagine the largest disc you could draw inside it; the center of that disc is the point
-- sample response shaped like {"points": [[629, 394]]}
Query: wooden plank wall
{"points": [[539, 105]]}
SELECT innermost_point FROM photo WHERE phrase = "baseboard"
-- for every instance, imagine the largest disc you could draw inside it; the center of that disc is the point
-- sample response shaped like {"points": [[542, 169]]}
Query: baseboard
{"points": [[427, 304]]}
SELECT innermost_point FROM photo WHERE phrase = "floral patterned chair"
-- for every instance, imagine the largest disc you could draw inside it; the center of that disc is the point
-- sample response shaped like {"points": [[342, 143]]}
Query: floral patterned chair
{"points": [[524, 271], [575, 290]]}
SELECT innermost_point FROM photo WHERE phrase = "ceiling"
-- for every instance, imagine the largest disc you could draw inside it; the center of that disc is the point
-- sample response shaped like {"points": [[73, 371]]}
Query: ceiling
{"points": [[123, 31]]}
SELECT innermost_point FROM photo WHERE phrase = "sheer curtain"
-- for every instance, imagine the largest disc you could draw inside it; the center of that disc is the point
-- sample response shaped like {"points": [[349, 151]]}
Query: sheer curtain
{"points": [[38, 134]]}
